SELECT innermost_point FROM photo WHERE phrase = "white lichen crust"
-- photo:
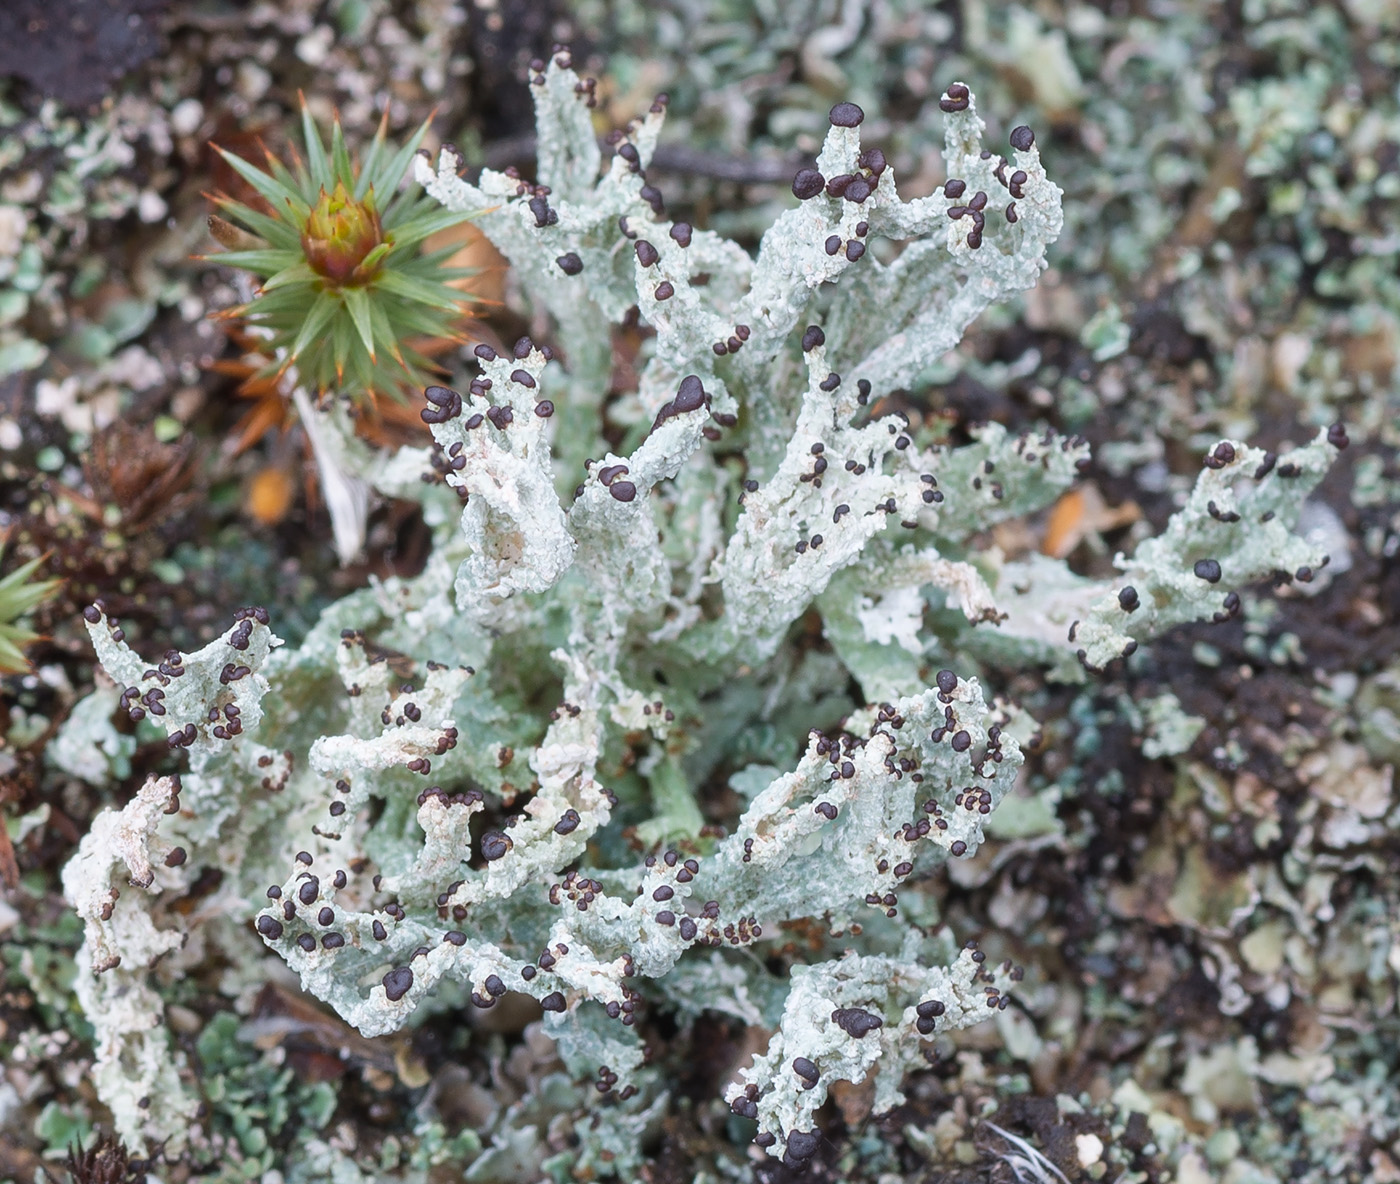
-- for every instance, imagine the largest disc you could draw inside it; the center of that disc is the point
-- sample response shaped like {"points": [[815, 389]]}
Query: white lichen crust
{"points": [[851, 1017], [1236, 528], [489, 778], [120, 864]]}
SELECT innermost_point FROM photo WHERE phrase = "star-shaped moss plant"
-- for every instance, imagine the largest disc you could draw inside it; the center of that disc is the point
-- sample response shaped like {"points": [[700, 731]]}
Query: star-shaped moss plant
{"points": [[350, 296]]}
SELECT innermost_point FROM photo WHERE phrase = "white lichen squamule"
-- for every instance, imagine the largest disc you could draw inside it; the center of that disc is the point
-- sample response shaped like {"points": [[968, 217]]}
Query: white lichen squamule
{"points": [[477, 712], [120, 866]]}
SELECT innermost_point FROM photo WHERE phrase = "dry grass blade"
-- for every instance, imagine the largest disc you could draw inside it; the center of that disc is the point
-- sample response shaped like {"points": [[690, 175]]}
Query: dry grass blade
{"points": [[1027, 1164]]}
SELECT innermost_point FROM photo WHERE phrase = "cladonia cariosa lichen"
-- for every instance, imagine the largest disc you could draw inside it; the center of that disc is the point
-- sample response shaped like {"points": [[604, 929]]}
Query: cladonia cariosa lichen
{"points": [[505, 775]]}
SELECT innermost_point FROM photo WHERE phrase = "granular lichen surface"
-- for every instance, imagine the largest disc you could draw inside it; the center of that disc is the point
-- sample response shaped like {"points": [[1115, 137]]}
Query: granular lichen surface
{"points": [[874, 662]]}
